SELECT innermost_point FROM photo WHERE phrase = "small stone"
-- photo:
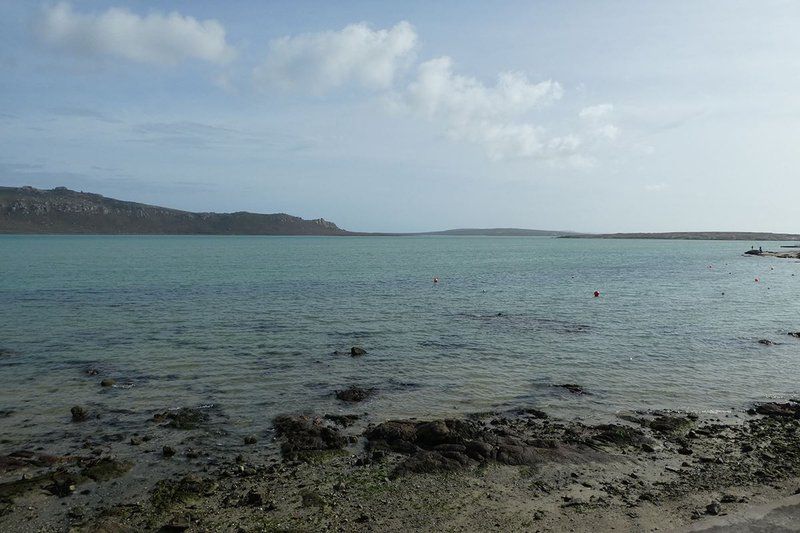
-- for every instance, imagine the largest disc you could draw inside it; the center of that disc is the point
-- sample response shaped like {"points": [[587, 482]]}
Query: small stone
{"points": [[713, 508], [136, 441], [254, 499], [108, 382], [250, 439], [191, 453], [168, 451], [356, 351]]}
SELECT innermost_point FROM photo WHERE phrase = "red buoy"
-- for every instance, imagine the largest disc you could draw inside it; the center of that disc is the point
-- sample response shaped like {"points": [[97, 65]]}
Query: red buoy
{"points": [[596, 294]]}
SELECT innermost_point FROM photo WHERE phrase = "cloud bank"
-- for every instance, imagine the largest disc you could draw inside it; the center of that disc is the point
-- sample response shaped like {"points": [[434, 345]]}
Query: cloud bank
{"points": [[318, 62], [155, 38], [495, 117]]}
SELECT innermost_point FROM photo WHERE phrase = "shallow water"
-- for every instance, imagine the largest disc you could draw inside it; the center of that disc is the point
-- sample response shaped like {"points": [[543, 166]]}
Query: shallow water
{"points": [[249, 325]]}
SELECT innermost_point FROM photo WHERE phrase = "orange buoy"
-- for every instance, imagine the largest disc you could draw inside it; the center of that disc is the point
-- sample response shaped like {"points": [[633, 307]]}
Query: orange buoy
{"points": [[596, 294]]}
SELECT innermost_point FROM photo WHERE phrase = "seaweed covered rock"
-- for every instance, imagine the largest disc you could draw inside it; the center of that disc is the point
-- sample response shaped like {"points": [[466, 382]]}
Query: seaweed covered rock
{"points": [[779, 410], [301, 435]]}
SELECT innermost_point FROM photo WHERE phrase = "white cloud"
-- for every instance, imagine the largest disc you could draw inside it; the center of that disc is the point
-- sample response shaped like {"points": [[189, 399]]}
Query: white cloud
{"points": [[596, 111], [157, 38], [491, 116], [318, 62], [599, 119]]}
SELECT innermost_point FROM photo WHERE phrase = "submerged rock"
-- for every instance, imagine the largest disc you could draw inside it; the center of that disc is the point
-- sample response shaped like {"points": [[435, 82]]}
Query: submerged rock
{"points": [[301, 435], [573, 388], [766, 342], [183, 418], [79, 414], [354, 394], [108, 382], [795, 334], [356, 351]]}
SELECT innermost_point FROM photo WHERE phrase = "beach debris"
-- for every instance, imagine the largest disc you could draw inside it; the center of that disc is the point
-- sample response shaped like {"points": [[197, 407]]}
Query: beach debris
{"points": [[356, 351], [354, 394]]}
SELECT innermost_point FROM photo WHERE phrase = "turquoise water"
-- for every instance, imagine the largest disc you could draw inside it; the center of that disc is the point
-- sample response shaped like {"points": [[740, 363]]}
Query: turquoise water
{"points": [[249, 325]]}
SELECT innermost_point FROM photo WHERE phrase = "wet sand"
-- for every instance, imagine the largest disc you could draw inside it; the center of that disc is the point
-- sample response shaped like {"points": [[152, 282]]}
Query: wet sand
{"points": [[513, 471]]}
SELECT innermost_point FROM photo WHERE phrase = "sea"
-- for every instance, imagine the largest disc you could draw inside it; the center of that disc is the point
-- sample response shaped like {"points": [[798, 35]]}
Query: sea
{"points": [[252, 327]]}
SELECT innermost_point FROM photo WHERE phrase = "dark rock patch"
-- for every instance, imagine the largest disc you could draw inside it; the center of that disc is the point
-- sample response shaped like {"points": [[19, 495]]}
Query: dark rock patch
{"points": [[354, 394], [573, 388], [108, 382], [79, 414], [183, 418], [766, 342], [169, 492], [357, 351], [342, 420], [774, 409], [105, 468], [303, 435]]}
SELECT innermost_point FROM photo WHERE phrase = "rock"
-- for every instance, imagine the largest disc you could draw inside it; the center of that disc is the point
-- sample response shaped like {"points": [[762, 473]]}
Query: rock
{"points": [[191, 453], [684, 450], [311, 498], [357, 351], [250, 439], [729, 498], [136, 441], [302, 434], [79, 414], [354, 394], [108, 382], [619, 435], [795, 334], [777, 410], [425, 462], [671, 425], [105, 468], [254, 499], [533, 413], [63, 483], [169, 492], [573, 388], [168, 451], [342, 420], [183, 418], [766, 342], [713, 508]]}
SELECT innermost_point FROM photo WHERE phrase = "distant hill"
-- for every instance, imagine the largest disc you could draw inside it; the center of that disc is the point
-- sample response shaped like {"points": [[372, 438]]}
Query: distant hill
{"points": [[61, 210], [694, 236], [499, 232]]}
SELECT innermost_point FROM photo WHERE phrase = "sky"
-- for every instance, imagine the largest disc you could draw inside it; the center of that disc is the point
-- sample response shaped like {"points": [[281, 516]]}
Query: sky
{"points": [[414, 116]]}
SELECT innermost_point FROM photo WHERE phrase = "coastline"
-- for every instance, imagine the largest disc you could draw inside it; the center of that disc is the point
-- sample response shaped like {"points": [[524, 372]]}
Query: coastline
{"points": [[518, 470]]}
